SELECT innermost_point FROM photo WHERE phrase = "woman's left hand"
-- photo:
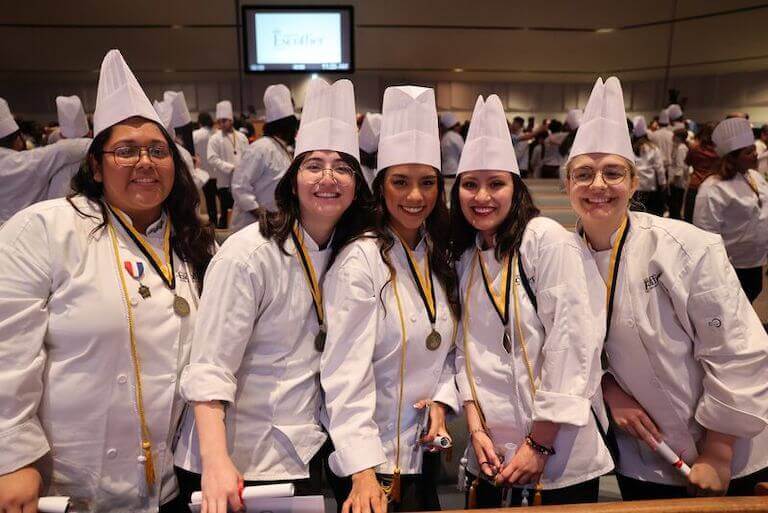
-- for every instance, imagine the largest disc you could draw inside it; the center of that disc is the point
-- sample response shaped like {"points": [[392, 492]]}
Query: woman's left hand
{"points": [[437, 425], [525, 467]]}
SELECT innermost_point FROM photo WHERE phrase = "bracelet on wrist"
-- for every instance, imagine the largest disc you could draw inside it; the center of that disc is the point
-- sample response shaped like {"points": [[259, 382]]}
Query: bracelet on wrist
{"points": [[541, 449], [478, 430]]}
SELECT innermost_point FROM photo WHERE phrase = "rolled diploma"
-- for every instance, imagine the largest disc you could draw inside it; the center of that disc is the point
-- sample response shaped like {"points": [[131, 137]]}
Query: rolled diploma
{"points": [[53, 504], [670, 457], [256, 492]]}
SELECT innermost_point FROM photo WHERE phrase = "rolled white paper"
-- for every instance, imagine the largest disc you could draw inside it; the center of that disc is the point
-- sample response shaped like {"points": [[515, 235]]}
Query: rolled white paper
{"points": [[673, 459], [53, 504], [256, 492]]}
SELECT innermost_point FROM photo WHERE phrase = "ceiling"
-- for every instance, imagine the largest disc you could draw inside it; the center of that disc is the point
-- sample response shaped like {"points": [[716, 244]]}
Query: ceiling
{"points": [[485, 40]]}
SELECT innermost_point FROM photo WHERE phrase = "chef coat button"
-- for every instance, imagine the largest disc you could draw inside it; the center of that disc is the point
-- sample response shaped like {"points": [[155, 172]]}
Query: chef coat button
{"points": [[111, 454], [413, 318], [173, 378], [390, 426], [134, 301], [122, 379], [477, 380], [630, 323], [444, 316]]}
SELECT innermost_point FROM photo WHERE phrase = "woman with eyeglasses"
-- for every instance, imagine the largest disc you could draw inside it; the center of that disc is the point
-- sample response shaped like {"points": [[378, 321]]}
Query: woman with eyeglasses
{"points": [[527, 359], [252, 379], [683, 345], [387, 370], [98, 295]]}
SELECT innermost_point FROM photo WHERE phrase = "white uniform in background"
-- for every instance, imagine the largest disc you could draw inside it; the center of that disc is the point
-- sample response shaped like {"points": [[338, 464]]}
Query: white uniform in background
{"points": [[687, 345], [679, 171], [254, 181], [200, 139], [360, 368], [25, 175], [254, 349], [72, 125], [563, 339], [760, 146], [663, 139], [552, 155], [264, 163], [649, 169], [451, 145], [68, 382], [224, 153], [165, 110]]}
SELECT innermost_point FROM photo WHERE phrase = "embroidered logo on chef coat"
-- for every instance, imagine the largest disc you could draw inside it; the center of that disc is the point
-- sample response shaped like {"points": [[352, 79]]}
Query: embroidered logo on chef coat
{"points": [[651, 282], [715, 323], [183, 276]]}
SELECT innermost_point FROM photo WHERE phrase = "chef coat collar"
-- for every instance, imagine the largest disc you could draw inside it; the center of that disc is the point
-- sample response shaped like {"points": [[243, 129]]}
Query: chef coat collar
{"points": [[423, 239], [479, 242], [614, 235], [309, 242], [155, 229]]}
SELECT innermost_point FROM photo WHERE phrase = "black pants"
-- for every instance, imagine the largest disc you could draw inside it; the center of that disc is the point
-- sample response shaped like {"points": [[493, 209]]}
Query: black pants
{"points": [[676, 195], [751, 281], [636, 490], [226, 202], [418, 492], [690, 202], [209, 191], [489, 496]]}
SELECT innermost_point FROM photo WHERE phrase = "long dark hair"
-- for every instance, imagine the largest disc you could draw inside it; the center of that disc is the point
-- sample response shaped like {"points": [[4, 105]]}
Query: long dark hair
{"points": [[278, 224], [437, 225], [509, 234], [284, 128], [191, 241]]}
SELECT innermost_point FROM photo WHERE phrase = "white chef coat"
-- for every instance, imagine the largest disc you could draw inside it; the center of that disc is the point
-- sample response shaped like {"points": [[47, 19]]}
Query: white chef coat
{"points": [[200, 138], [451, 146], [360, 367], [25, 175], [679, 171], [254, 349], [731, 209], [67, 384], [552, 155], [663, 138], [199, 176], [224, 154], [760, 146], [649, 168], [369, 175], [687, 345], [255, 179], [563, 338]]}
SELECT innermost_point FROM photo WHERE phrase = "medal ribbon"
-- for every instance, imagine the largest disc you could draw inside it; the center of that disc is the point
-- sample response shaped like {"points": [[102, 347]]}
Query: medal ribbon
{"points": [[309, 273], [423, 281], [164, 269], [753, 185], [500, 300], [610, 287]]}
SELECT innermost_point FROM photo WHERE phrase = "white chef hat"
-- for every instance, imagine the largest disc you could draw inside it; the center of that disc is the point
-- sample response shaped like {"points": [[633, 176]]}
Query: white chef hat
{"points": [[639, 127], [178, 104], [369, 132], [674, 111], [448, 119], [277, 102], [328, 120], [224, 110], [72, 122], [603, 126], [119, 95], [573, 119], [489, 145], [732, 134], [7, 123], [409, 133], [165, 112], [664, 117]]}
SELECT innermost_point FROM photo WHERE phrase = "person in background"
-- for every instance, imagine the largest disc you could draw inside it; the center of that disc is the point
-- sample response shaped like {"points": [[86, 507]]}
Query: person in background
{"points": [[552, 159], [72, 125], [704, 162], [761, 143], [201, 136], [225, 149], [733, 203], [683, 346], [520, 141], [370, 129], [266, 160], [649, 168], [98, 295], [679, 173], [536, 153], [165, 111], [451, 143]]}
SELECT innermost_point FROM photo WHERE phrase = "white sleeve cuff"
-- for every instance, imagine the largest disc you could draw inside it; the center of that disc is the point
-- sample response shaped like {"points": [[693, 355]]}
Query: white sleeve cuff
{"points": [[715, 415], [205, 382], [22, 445], [561, 408], [360, 454]]}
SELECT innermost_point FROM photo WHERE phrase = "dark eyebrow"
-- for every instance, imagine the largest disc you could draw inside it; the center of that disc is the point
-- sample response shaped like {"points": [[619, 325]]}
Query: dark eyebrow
{"points": [[133, 142]]}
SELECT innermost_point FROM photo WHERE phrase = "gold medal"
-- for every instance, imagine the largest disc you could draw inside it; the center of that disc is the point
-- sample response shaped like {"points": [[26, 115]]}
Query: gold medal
{"points": [[433, 340], [180, 306], [314, 286], [499, 299]]}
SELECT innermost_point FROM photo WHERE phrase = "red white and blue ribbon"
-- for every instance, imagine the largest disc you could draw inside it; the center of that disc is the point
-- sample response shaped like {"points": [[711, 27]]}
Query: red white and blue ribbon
{"points": [[135, 269]]}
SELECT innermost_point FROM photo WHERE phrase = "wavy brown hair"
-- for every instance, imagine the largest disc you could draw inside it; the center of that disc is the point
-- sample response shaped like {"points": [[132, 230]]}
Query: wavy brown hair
{"points": [[437, 226], [509, 234], [191, 241], [278, 224]]}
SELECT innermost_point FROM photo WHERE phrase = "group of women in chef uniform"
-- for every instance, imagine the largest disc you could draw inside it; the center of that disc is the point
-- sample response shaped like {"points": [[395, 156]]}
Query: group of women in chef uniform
{"points": [[139, 362]]}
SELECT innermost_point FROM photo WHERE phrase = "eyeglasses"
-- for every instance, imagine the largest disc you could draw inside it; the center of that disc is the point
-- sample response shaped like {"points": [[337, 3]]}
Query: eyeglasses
{"points": [[340, 173], [612, 175], [129, 156]]}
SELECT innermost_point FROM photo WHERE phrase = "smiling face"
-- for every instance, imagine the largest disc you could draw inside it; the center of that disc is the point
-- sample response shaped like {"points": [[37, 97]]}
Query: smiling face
{"points": [[324, 194], [141, 189], [598, 201], [410, 195], [485, 198]]}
